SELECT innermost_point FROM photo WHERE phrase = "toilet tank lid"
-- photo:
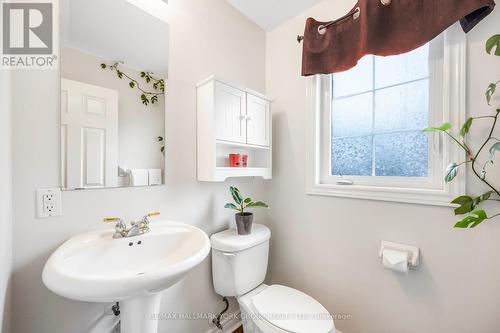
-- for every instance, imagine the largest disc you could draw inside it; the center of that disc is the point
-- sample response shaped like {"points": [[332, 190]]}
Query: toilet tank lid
{"points": [[230, 241]]}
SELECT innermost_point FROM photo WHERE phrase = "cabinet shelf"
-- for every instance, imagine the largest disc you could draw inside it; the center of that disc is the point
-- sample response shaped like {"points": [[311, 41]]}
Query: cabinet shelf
{"points": [[222, 173], [241, 145], [232, 120]]}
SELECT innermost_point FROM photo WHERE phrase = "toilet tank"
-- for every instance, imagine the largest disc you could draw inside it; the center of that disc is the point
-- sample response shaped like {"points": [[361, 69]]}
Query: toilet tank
{"points": [[239, 263]]}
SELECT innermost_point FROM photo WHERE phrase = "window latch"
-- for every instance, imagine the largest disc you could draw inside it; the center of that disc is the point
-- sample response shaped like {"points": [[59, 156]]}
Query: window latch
{"points": [[343, 181]]}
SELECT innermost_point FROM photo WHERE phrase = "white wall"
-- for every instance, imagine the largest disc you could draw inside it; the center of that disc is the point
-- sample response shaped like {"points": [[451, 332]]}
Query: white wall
{"points": [[328, 247], [5, 198], [206, 37]]}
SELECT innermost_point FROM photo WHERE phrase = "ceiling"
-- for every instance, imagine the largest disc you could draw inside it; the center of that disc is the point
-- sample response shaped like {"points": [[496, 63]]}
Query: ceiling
{"points": [[116, 30], [269, 14]]}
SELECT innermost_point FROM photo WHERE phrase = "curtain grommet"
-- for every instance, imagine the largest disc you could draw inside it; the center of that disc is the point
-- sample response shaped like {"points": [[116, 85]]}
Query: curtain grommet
{"points": [[357, 13], [386, 2]]}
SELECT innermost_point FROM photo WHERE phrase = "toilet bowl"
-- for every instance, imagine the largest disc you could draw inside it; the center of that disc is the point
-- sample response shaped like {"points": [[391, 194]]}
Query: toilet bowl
{"points": [[239, 266]]}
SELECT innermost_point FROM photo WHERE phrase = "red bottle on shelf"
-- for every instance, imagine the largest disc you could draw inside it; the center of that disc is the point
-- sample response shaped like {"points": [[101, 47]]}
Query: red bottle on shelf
{"points": [[234, 160]]}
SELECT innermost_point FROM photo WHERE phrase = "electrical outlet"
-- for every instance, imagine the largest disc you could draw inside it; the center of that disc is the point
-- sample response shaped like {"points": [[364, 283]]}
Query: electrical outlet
{"points": [[49, 202]]}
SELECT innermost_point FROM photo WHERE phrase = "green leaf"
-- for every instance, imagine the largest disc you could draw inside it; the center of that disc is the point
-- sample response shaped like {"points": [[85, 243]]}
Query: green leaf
{"points": [[493, 42], [144, 99], [160, 138], [485, 196], [132, 84], [258, 204], [472, 221], [236, 195], [466, 127], [443, 128], [451, 172], [103, 66], [466, 205], [493, 150], [143, 74], [490, 91], [231, 206], [247, 200]]}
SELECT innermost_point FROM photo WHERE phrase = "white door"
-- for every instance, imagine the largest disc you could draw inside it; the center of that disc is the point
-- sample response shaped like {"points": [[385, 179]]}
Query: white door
{"points": [[258, 121], [89, 130], [230, 112]]}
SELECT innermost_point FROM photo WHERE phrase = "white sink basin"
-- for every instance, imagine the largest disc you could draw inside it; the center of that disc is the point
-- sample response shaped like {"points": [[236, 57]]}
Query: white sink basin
{"points": [[94, 267]]}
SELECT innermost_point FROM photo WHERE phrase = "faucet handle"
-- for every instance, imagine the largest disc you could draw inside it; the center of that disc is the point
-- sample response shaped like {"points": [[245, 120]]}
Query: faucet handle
{"points": [[111, 219], [145, 219], [153, 214]]}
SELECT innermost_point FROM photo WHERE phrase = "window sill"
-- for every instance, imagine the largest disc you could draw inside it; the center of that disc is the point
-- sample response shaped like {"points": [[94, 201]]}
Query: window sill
{"points": [[403, 195]]}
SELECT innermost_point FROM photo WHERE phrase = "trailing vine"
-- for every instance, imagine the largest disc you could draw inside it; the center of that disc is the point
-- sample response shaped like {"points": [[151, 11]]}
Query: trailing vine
{"points": [[467, 205], [161, 141], [150, 95]]}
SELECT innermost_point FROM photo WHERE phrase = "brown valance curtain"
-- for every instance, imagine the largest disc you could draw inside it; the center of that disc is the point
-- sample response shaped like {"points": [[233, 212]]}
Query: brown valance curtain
{"points": [[383, 27]]}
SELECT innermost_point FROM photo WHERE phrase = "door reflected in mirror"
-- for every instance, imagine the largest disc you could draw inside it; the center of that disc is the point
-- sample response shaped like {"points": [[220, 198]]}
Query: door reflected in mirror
{"points": [[113, 76]]}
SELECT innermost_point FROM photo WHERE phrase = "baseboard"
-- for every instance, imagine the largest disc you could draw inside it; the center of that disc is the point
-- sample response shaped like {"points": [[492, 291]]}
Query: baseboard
{"points": [[229, 324]]}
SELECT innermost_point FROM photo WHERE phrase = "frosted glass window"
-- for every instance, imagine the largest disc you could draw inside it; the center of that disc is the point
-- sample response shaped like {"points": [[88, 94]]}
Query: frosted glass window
{"points": [[353, 116], [402, 107], [402, 68], [401, 154], [353, 156], [378, 110], [356, 80]]}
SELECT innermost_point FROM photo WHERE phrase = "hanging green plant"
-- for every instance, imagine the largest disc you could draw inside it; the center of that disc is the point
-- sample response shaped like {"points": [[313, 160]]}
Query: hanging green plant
{"points": [[468, 205], [149, 95], [161, 141]]}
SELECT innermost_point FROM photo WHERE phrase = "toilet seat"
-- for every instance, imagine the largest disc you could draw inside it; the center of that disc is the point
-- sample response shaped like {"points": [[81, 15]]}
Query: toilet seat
{"points": [[291, 310]]}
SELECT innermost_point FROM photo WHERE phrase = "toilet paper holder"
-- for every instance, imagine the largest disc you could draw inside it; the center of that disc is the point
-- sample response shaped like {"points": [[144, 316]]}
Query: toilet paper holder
{"points": [[413, 252]]}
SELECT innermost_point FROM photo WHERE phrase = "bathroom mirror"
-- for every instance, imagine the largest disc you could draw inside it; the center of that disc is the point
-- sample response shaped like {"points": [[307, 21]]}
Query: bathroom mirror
{"points": [[113, 76]]}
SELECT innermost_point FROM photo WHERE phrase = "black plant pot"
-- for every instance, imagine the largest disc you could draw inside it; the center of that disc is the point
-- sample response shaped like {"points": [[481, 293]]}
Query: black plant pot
{"points": [[244, 223]]}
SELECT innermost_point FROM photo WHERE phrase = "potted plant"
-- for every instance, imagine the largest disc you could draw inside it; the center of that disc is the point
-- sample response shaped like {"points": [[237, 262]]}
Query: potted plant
{"points": [[244, 219]]}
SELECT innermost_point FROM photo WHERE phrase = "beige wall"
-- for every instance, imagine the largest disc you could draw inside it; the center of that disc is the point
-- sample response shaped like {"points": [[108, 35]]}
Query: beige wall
{"points": [[5, 198], [328, 247], [207, 37]]}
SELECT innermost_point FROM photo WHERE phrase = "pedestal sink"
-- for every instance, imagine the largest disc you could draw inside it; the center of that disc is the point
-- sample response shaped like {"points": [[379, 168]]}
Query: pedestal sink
{"points": [[94, 267]]}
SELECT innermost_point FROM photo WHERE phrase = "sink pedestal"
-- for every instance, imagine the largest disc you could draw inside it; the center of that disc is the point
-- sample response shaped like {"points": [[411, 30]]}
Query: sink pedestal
{"points": [[95, 267], [140, 314]]}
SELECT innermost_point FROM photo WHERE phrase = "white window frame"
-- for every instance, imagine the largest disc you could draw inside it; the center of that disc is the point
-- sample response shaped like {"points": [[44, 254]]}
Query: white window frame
{"points": [[431, 190]]}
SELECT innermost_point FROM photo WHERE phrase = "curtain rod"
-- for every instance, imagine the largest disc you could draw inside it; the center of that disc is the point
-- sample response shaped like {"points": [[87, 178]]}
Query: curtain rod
{"points": [[354, 13]]}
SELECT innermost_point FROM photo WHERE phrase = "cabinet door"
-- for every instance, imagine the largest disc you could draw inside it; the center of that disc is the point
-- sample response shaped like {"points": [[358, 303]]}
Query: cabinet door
{"points": [[258, 121], [230, 112]]}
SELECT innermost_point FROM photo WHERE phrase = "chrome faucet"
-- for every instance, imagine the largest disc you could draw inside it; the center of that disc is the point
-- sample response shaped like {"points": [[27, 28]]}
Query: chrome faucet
{"points": [[136, 228]]}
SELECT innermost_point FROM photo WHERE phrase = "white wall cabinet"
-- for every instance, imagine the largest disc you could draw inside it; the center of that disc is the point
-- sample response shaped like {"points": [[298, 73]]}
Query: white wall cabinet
{"points": [[258, 121], [230, 114], [232, 120]]}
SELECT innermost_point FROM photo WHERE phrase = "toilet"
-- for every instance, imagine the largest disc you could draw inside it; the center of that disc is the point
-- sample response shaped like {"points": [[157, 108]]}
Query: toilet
{"points": [[239, 266]]}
